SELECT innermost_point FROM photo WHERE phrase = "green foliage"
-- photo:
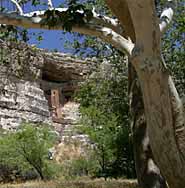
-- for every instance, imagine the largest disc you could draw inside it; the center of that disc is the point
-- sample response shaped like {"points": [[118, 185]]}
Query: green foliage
{"points": [[36, 2], [12, 33], [99, 106], [27, 148], [101, 131], [174, 48], [72, 16], [99, 5], [105, 118], [82, 166], [90, 46]]}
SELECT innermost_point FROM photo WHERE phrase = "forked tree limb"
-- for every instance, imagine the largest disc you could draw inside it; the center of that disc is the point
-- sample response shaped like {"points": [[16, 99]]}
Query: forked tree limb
{"points": [[19, 8], [120, 9]]}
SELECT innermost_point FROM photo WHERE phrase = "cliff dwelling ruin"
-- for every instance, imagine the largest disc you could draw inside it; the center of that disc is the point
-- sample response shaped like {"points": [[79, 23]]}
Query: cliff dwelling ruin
{"points": [[38, 86]]}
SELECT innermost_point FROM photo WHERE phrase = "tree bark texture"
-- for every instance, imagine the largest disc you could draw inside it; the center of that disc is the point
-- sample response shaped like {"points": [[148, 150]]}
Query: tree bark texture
{"points": [[148, 174], [163, 109], [163, 116]]}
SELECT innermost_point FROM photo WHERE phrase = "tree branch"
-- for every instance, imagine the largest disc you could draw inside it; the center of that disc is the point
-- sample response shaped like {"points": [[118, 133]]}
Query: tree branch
{"points": [[108, 22], [50, 4], [105, 33], [121, 11], [96, 19], [167, 16], [108, 35], [19, 8]]}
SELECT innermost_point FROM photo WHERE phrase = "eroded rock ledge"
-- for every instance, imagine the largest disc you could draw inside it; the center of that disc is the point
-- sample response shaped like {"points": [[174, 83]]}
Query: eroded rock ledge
{"points": [[35, 85]]}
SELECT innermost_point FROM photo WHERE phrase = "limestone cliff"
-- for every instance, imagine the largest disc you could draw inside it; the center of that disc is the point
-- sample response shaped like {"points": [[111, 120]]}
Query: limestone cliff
{"points": [[37, 86]]}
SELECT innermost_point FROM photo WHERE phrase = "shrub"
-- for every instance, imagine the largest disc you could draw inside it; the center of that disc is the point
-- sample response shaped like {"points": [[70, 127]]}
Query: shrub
{"points": [[27, 150], [104, 108]]}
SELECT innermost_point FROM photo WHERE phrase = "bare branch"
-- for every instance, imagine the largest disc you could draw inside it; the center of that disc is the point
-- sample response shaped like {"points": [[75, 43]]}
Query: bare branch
{"points": [[167, 15], [19, 8], [108, 22], [108, 35], [50, 4], [105, 33]]}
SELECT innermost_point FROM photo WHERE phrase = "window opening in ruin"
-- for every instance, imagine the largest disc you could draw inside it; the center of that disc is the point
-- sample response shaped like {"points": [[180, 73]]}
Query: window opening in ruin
{"points": [[48, 97]]}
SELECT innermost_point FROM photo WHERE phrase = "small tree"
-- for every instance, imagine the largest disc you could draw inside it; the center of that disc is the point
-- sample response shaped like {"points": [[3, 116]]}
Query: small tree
{"points": [[105, 119], [101, 131], [27, 148]]}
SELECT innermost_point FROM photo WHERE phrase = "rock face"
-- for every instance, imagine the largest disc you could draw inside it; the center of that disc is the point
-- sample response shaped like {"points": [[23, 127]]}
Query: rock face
{"points": [[37, 86], [70, 117], [23, 101], [21, 98]]}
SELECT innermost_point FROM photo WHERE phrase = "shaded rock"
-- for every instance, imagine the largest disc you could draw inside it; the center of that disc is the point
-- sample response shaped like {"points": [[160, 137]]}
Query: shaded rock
{"points": [[29, 79]]}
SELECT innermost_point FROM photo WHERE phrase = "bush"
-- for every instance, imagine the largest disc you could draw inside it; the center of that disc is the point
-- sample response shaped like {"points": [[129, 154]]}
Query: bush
{"points": [[83, 167], [9, 174], [27, 150]]}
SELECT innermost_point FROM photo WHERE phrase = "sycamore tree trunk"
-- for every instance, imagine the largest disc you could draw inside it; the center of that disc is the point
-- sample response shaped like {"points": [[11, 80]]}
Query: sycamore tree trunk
{"points": [[148, 174], [164, 116], [163, 107]]}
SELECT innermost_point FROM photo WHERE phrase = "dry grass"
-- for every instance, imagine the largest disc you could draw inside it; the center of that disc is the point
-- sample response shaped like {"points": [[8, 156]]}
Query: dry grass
{"points": [[35, 184], [76, 184], [71, 149]]}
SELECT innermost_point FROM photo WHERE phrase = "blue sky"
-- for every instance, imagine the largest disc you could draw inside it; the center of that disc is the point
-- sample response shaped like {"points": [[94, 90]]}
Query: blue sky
{"points": [[51, 39]]}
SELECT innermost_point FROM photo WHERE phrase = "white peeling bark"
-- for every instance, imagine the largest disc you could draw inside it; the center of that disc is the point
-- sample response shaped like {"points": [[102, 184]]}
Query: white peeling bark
{"points": [[178, 117], [167, 15], [19, 8], [166, 18], [106, 34], [96, 19], [148, 173], [120, 9], [161, 121], [50, 4], [163, 109], [162, 115]]}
